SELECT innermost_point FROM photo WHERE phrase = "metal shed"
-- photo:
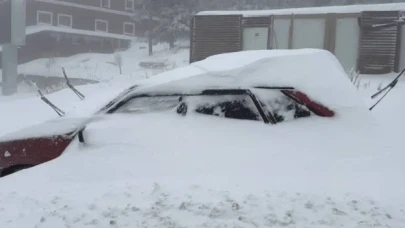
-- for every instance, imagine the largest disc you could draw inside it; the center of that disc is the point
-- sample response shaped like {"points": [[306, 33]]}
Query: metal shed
{"points": [[346, 31]]}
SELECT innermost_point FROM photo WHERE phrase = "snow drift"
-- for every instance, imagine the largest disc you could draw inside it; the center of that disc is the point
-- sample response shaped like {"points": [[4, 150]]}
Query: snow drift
{"points": [[165, 170]]}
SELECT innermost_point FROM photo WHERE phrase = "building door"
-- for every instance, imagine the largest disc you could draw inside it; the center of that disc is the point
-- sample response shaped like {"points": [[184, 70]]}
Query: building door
{"points": [[255, 38], [308, 33]]}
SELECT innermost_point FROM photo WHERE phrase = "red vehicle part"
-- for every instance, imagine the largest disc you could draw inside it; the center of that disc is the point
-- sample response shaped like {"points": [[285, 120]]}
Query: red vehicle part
{"points": [[315, 107], [32, 151]]}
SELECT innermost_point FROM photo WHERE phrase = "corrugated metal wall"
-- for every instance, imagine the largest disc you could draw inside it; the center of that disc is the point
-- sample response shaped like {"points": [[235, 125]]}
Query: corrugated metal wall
{"points": [[257, 22], [379, 49], [402, 47], [213, 35]]}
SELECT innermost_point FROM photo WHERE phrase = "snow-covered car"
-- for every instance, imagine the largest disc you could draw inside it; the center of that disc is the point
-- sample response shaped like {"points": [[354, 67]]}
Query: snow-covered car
{"points": [[281, 140], [270, 87], [267, 104]]}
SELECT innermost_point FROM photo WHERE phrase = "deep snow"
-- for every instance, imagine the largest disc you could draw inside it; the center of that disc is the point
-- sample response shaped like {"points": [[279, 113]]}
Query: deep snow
{"points": [[203, 175], [104, 184]]}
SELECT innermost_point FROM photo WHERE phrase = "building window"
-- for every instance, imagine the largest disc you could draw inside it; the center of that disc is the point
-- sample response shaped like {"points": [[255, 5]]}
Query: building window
{"points": [[129, 28], [130, 5], [101, 26], [65, 20], [105, 3], [44, 18]]}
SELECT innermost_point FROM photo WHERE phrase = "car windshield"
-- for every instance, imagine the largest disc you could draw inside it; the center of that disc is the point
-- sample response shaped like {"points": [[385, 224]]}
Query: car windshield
{"points": [[227, 106], [149, 104], [280, 106]]}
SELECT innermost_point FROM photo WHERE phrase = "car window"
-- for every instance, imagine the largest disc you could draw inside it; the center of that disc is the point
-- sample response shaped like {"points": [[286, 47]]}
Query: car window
{"points": [[280, 106], [228, 106], [149, 104], [119, 97]]}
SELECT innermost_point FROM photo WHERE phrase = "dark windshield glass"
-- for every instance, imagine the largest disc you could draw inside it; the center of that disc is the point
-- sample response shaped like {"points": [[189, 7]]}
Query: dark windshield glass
{"points": [[280, 106], [232, 106], [227, 106]]}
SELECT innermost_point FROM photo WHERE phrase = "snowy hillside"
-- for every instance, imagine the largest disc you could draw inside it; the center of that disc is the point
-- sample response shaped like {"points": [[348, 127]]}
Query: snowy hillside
{"points": [[102, 67]]}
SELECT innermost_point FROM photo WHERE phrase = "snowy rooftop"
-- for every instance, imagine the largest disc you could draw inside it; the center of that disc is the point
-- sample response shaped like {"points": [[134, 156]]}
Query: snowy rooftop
{"points": [[36, 29], [314, 10], [40, 28]]}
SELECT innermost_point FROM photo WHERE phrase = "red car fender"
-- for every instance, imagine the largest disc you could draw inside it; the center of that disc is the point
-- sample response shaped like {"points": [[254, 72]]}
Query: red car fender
{"points": [[32, 151]]}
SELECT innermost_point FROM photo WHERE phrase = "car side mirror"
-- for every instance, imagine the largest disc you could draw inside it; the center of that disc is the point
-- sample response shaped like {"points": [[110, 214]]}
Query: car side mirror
{"points": [[182, 109], [81, 135]]}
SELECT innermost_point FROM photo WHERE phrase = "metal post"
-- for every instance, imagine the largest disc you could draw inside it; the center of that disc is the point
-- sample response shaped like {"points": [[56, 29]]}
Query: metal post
{"points": [[9, 70], [17, 20], [291, 33]]}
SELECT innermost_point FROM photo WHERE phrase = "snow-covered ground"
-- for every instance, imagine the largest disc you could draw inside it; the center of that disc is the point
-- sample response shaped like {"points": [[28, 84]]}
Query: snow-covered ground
{"points": [[390, 110], [102, 67], [128, 197]]}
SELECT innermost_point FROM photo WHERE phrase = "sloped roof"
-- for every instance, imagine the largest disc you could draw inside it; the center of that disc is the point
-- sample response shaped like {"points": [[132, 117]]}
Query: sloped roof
{"points": [[313, 10]]}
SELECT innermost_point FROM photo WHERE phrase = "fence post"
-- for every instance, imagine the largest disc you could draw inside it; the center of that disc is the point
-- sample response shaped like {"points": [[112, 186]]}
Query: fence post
{"points": [[9, 62], [291, 33]]}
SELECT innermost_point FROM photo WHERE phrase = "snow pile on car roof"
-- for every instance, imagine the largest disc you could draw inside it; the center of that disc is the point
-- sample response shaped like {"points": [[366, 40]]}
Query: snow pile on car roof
{"points": [[315, 72]]}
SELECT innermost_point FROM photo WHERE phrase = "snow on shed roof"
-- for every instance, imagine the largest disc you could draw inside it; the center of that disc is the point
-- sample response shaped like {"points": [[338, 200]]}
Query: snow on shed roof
{"points": [[40, 28], [313, 10], [313, 71], [36, 29]]}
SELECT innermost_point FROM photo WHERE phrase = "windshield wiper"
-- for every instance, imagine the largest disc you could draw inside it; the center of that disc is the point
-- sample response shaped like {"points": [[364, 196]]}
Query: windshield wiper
{"points": [[273, 87], [389, 87]]}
